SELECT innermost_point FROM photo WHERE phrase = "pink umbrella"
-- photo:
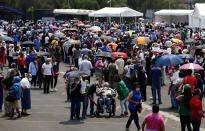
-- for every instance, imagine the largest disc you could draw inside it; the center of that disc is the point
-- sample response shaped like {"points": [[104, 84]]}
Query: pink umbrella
{"points": [[54, 27], [191, 66]]}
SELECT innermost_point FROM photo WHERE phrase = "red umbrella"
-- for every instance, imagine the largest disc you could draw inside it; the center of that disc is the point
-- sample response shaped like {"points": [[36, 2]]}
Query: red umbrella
{"points": [[117, 54]]}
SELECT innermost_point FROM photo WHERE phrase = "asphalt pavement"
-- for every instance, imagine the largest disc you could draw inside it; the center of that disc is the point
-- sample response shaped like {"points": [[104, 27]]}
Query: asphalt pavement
{"points": [[50, 112]]}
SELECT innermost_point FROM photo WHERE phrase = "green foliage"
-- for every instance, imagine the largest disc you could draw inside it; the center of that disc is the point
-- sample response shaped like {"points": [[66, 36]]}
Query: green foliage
{"points": [[141, 5]]}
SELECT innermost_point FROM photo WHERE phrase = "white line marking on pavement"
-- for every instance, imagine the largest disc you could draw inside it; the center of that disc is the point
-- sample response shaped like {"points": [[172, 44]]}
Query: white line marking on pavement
{"points": [[166, 114]]}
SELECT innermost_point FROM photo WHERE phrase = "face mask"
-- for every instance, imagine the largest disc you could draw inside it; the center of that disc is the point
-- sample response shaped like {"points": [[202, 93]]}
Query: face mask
{"points": [[138, 89], [29, 79]]}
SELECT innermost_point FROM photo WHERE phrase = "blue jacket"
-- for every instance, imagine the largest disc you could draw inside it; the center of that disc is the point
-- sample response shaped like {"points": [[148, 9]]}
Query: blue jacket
{"points": [[16, 88], [33, 68], [155, 75]]}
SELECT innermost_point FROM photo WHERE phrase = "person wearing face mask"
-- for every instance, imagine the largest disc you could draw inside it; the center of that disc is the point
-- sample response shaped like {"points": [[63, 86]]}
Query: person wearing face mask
{"points": [[134, 106], [26, 99], [33, 70]]}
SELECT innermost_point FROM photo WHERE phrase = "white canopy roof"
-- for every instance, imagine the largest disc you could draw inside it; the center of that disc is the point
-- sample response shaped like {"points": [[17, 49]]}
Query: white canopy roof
{"points": [[115, 12], [72, 11], [174, 12], [199, 10]]}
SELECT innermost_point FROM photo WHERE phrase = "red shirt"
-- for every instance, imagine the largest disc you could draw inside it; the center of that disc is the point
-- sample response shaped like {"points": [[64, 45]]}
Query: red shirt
{"points": [[191, 80], [21, 61], [195, 106]]}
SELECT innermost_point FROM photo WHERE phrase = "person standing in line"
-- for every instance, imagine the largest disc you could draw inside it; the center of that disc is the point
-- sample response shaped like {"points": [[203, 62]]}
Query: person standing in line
{"points": [[16, 91], [120, 64], [33, 70], [191, 80], [174, 78], [76, 55], [26, 99], [135, 106], [85, 67], [47, 71], [155, 75], [142, 78], [112, 68], [55, 74], [154, 121], [1, 93], [75, 99], [123, 93], [184, 108], [196, 110]]}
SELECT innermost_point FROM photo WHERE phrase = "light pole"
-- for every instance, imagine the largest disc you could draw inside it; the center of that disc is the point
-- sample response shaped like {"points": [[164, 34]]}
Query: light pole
{"points": [[110, 3], [68, 4]]}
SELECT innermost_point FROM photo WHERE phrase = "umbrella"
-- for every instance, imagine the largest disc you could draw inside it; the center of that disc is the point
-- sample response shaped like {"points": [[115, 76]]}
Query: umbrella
{"points": [[5, 38], [104, 54], [108, 38], [190, 41], [168, 43], [116, 54], [95, 28], [61, 21], [59, 34], [42, 53], [112, 46], [27, 44], [168, 60], [87, 26], [141, 40], [200, 46], [191, 66], [5, 23], [71, 41], [176, 41], [186, 56], [54, 27], [2, 21], [73, 29], [65, 25], [81, 24]]}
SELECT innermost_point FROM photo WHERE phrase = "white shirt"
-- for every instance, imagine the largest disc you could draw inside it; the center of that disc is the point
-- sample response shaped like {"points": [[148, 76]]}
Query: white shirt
{"points": [[120, 64], [83, 86], [175, 77], [127, 68], [25, 83], [85, 67], [46, 39], [47, 69]]}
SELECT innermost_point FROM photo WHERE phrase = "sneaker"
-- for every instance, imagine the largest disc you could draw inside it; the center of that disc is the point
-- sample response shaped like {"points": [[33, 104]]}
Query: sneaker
{"points": [[51, 90], [127, 129], [122, 115], [55, 89], [126, 113]]}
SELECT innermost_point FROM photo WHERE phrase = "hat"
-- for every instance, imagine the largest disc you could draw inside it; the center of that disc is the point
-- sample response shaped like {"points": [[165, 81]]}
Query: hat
{"points": [[11, 45], [84, 76]]}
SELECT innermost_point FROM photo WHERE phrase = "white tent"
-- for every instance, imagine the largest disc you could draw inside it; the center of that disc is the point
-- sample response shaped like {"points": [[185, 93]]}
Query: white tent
{"points": [[198, 17], [116, 12], [176, 16], [72, 11]]}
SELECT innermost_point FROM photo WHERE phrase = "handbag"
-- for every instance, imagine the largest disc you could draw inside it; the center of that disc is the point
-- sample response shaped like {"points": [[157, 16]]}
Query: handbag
{"points": [[10, 98]]}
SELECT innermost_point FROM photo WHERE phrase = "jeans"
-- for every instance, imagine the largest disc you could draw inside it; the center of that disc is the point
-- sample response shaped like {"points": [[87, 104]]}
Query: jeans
{"points": [[68, 92], [7, 105], [143, 92], [47, 82], [34, 79], [185, 121], [156, 90], [173, 92], [54, 81], [75, 107], [102, 101], [21, 68], [133, 116], [92, 105], [85, 106], [195, 123], [123, 105], [76, 62]]}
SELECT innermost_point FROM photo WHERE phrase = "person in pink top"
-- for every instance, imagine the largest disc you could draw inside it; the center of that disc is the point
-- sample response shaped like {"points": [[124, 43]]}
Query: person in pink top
{"points": [[153, 121]]}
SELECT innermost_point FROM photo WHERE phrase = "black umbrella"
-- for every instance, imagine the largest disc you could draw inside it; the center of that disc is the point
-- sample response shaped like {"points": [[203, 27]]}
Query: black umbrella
{"points": [[27, 44], [105, 54]]}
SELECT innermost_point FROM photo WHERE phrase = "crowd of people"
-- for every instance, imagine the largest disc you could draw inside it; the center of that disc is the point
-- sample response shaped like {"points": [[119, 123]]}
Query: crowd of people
{"points": [[121, 57]]}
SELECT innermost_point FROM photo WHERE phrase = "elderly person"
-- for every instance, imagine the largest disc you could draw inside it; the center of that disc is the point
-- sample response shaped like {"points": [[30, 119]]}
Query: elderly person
{"points": [[85, 67], [33, 70], [26, 99]]}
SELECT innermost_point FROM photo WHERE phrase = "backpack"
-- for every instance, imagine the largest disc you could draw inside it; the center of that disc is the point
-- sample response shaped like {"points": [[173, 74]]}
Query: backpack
{"points": [[133, 75]]}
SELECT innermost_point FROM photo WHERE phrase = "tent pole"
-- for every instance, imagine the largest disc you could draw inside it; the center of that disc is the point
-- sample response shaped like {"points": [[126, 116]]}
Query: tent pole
{"points": [[135, 21]]}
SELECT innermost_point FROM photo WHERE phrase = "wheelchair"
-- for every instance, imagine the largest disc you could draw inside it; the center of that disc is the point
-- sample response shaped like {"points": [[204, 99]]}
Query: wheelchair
{"points": [[103, 109]]}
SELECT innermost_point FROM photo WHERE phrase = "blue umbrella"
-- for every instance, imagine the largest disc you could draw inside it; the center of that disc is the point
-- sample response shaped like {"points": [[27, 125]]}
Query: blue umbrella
{"points": [[95, 28], [186, 56], [168, 60], [2, 21], [61, 21]]}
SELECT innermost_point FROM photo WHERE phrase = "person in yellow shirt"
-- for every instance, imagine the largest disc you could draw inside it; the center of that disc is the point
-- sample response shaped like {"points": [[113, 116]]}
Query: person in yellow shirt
{"points": [[54, 43]]}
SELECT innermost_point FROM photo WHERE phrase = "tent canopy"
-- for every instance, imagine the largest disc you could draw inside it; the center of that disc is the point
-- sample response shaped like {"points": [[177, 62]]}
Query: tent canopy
{"points": [[174, 12], [72, 11], [10, 10], [116, 12], [199, 10]]}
